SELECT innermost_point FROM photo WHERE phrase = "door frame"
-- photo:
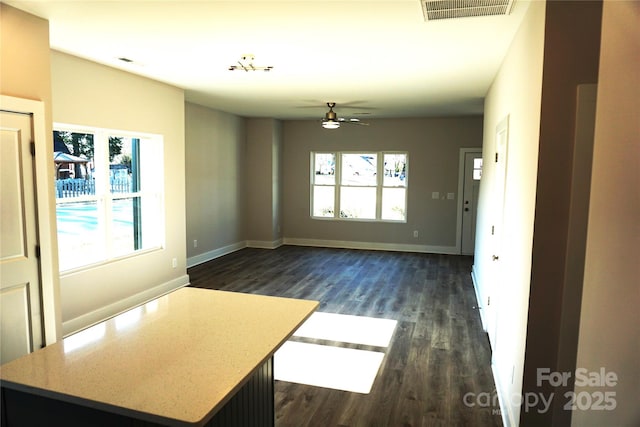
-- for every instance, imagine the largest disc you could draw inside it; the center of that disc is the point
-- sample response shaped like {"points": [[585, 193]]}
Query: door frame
{"points": [[45, 214], [463, 153]]}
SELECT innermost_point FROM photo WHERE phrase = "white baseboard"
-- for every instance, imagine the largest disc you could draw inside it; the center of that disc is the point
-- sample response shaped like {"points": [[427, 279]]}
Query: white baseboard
{"points": [[474, 279], [397, 247], [216, 253], [103, 313], [261, 244], [342, 244], [225, 250], [506, 410]]}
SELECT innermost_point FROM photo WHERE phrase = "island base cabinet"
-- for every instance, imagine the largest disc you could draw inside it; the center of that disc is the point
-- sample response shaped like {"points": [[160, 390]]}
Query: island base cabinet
{"points": [[251, 406]]}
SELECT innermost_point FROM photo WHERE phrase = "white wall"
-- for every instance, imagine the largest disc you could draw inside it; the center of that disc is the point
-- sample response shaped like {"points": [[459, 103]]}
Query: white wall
{"points": [[90, 94], [516, 92], [609, 334]]}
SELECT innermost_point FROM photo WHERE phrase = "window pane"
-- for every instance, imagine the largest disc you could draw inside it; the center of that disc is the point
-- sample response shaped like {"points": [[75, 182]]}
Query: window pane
{"points": [[152, 234], [323, 201], [135, 222], [395, 170], [73, 161], [359, 169], [325, 168], [358, 202], [477, 169], [125, 225], [80, 240], [124, 164], [393, 204]]}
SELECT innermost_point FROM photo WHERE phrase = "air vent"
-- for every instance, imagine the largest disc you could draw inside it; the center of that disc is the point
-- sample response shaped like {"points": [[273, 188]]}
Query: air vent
{"points": [[450, 9]]}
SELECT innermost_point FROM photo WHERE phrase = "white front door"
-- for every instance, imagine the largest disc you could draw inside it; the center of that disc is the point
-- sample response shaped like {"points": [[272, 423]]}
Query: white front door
{"points": [[470, 189], [20, 294]]}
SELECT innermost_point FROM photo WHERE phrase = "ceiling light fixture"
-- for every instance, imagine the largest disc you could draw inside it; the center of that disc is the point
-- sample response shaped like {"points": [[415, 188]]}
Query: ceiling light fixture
{"points": [[331, 124], [246, 64]]}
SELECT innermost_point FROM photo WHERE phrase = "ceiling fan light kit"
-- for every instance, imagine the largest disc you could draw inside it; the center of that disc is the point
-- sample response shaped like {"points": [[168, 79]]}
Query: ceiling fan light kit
{"points": [[332, 121], [330, 124]]}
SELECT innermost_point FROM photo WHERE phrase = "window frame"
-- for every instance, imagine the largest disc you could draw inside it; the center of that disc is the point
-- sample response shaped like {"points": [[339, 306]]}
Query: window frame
{"points": [[104, 197], [337, 185]]}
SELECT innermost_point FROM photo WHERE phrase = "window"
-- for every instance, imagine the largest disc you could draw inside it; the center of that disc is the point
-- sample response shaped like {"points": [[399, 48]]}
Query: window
{"points": [[109, 188], [477, 169], [364, 186]]}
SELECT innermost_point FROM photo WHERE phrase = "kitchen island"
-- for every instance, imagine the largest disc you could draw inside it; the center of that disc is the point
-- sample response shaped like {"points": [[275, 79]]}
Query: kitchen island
{"points": [[194, 357]]}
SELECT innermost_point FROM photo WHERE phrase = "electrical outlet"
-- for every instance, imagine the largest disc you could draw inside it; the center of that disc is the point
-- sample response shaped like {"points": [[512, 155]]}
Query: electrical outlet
{"points": [[415, 233], [174, 262], [195, 243]]}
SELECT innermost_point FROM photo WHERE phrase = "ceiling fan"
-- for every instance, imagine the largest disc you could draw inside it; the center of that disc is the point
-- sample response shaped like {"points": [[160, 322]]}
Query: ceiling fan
{"points": [[332, 121]]}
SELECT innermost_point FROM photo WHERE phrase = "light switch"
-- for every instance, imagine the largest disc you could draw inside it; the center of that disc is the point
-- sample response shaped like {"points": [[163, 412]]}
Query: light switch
{"points": [[435, 195], [451, 196]]}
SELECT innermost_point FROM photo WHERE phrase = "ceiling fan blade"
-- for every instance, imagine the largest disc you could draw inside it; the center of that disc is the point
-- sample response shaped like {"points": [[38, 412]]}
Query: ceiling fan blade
{"points": [[352, 121]]}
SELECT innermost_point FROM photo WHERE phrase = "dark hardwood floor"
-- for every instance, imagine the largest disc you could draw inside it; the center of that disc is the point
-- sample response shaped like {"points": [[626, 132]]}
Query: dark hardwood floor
{"points": [[438, 353]]}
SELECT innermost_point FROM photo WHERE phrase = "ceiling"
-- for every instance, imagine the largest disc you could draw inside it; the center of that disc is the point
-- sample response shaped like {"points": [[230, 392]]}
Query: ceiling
{"points": [[373, 58]]}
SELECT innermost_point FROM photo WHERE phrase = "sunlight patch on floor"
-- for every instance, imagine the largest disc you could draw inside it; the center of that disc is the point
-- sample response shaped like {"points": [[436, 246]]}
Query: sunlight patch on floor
{"points": [[327, 366], [333, 366], [346, 328]]}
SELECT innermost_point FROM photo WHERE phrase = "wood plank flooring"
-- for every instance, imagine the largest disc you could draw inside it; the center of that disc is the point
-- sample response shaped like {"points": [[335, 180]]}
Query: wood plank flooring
{"points": [[438, 353]]}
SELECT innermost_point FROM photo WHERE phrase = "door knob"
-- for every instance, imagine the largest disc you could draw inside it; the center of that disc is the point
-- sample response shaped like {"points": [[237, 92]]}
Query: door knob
{"points": [[495, 257]]}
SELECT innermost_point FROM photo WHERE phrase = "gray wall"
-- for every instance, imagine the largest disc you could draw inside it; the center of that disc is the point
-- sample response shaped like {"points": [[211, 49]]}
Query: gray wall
{"points": [[263, 173], [215, 160], [248, 182], [571, 55], [433, 145]]}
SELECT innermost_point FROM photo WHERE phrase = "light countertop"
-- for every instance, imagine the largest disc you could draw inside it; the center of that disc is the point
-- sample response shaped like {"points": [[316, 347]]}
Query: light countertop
{"points": [[174, 360]]}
